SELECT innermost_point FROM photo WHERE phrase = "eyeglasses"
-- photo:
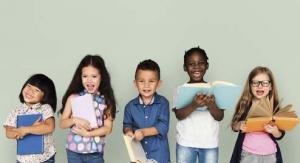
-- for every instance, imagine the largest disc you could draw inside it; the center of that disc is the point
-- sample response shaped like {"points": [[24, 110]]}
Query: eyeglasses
{"points": [[264, 83]]}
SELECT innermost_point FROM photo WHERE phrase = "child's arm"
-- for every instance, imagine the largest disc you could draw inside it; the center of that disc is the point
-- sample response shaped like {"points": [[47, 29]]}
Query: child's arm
{"points": [[11, 132], [217, 113], [239, 126], [127, 122], [161, 126], [184, 112], [66, 121], [38, 128], [106, 129]]}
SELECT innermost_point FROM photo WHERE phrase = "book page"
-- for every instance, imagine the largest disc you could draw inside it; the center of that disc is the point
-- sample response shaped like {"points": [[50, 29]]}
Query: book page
{"points": [[135, 150], [226, 94], [82, 107]]}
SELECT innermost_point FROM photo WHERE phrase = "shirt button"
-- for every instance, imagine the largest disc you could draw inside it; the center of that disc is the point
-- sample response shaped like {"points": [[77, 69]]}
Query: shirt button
{"points": [[146, 153], [146, 142], [146, 117]]}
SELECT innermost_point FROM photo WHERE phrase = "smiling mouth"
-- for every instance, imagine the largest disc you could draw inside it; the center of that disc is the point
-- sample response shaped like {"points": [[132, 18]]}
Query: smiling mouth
{"points": [[90, 86], [260, 92]]}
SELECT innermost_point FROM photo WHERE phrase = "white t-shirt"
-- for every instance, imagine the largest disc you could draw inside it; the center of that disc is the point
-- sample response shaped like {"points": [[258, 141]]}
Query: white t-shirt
{"points": [[198, 130]]}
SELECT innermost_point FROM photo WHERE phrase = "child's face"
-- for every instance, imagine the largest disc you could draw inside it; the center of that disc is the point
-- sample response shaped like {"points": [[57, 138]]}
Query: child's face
{"points": [[90, 78], [147, 83], [32, 94], [260, 85], [196, 66]]}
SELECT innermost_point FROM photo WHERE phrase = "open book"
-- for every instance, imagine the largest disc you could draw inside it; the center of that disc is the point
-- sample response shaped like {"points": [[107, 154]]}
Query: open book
{"points": [[31, 143], [226, 94], [135, 150], [82, 107], [262, 113]]}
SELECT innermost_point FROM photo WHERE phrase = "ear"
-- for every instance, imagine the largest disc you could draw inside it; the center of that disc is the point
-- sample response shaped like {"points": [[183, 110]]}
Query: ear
{"points": [[135, 83], [184, 67], [207, 66], [159, 83]]}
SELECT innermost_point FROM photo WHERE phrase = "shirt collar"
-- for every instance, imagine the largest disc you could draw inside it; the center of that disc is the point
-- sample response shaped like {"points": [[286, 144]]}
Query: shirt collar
{"points": [[85, 92], [34, 106], [138, 100], [142, 102]]}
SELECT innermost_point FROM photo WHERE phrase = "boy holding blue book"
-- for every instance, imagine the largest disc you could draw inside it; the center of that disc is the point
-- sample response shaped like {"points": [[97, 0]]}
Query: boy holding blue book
{"points": [[198, 125]]}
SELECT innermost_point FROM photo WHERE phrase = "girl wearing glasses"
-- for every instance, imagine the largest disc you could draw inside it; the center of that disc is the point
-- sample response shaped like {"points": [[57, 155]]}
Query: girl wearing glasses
{"points": [[256, 147]]}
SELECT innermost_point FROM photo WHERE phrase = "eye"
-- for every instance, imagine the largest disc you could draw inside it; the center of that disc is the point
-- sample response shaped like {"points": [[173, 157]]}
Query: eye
{"points": [[37, 90], [84, 76]]}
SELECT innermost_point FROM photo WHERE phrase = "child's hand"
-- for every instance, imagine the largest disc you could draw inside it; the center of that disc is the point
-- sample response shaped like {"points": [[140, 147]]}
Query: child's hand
{"points": [[272, 129], [199, 100], [210, 101], [138, 134], [21, 132], [129, 133], [81, 131], [81, 123], [242, 126]]}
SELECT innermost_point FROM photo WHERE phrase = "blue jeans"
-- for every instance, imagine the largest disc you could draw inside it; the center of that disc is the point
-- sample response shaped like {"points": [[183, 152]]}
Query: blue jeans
{"points": [[190, 154], [74, 157], [51, 160]]}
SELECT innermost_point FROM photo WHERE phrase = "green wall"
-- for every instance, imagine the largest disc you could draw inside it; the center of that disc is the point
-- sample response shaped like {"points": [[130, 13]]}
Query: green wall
{"points": [[51, 37]]}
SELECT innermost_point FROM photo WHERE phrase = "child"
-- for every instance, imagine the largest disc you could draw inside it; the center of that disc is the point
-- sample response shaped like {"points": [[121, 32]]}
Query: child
{"points": [[38, 95], [256, 147], [146, 117], [197, 130], [84, 144]]}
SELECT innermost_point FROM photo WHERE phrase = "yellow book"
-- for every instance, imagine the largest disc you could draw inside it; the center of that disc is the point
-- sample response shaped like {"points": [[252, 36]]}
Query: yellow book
{"points": [[261, 114]]}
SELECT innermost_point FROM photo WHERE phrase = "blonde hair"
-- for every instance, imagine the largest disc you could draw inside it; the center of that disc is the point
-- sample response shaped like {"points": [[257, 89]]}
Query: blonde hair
{"points": [[245, 100]]}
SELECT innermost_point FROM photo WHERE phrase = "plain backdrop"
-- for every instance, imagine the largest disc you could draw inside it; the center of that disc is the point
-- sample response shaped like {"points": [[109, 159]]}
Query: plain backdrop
{"points": [[51, 37]]}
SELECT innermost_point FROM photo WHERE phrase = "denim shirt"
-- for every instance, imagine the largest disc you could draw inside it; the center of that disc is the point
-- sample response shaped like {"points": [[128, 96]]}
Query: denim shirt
{"points": [[137, 115]]}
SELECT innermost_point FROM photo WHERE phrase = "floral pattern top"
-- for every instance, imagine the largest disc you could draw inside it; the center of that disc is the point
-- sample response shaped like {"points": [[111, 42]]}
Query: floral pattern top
{"points": [[49, 148]]}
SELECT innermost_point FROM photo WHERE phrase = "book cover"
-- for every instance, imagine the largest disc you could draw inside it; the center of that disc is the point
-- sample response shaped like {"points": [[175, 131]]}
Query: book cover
{"points": [[263, 113], [82, 107], [135, 150], [29, 144], [226, 94]]}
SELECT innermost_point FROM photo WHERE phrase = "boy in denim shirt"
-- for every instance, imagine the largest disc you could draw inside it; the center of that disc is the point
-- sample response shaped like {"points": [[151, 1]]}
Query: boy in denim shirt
{"points": [[146, 117]]}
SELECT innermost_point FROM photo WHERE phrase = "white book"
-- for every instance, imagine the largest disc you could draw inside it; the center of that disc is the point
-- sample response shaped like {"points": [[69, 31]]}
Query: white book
{"points": [[135, 150], [82, 107]]}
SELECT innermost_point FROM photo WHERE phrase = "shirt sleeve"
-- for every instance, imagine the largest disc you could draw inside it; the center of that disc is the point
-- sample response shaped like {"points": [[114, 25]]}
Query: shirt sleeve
{"points": [[47, 111], [162, 124], [11, 119], [127, 120]]}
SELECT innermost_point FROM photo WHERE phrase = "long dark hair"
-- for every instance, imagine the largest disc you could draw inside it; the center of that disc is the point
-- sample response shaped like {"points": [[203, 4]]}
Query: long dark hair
{"points": [[105, 87], [46, 85]]}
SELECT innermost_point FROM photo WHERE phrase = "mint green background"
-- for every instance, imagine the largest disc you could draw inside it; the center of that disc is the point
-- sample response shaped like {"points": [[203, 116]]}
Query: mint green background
{"points": [[51, 37]]}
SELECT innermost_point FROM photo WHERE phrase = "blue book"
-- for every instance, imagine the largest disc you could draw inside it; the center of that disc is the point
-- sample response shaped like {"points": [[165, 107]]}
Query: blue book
{"points": [[29, 144], [226, 94]]}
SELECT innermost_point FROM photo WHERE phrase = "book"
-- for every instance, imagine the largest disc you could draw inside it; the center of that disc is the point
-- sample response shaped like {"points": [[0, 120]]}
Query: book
{"points": [[226, 93], [135, 150], [82, 107], [263, 113], [29, 144]]}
